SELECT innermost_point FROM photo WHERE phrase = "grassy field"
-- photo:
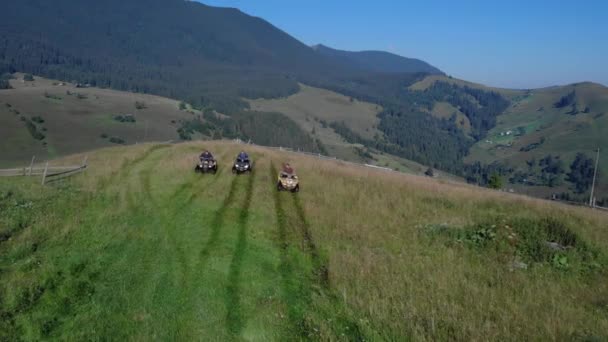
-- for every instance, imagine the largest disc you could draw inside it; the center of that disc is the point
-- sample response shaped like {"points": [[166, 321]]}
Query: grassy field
{"points": [[74, 123], [141, 248]]}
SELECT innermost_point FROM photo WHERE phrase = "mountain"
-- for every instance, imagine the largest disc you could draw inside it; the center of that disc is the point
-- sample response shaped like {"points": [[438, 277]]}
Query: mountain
{"points": [[174, 48], [379, 61]]}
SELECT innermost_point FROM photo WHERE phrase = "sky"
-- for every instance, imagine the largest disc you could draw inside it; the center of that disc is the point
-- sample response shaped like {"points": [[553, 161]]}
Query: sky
{"points": [[508, 43]]}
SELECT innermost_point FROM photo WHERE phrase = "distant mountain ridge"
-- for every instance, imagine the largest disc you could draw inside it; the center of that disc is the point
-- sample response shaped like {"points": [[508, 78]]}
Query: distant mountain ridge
{"points": [[378, 61]]}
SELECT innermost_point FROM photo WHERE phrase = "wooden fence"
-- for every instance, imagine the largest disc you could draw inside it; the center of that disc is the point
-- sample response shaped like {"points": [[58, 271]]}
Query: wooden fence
{"points": [[47, 172]]}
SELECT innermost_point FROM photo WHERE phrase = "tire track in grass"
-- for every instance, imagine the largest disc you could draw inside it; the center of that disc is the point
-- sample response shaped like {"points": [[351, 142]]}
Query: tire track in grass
{"points": [[234, 318], [128, 165], [162, 216], [342, 322], [167, 214], [216, 225], [324, 306], [139, 221], [320, 267], [188, 184], [295, 294]]}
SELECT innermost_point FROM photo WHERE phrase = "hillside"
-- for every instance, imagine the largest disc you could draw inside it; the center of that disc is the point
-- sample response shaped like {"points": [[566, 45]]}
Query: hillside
{"points": [[315, 109], [318, 111], [140, 247], [379, 61], [198, 50], [47, 118], [557, 122], [71, 119], [533, 127]]}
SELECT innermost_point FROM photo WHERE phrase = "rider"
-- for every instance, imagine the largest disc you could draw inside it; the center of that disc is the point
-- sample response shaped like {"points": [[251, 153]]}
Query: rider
{"points": [[243, 156], [206, 155], [287, 168]]}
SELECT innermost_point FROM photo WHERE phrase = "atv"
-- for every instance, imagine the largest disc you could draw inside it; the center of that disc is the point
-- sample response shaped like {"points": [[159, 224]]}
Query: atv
{"points": [[206, 165], [242, 165], [288, 182]]}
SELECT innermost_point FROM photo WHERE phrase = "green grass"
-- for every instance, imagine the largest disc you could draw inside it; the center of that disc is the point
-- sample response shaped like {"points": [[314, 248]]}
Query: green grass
{"points": [[139, 247]]}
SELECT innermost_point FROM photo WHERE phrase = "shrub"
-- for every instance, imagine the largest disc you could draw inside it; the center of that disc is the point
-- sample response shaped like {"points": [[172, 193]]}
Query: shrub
{"points": [[140, 105], [495, 181], [52, 97], [4, 84], [544, 241], [125, 118], [33, 129], [103, 136], [38, 119], [117, 140], [28, 77]]}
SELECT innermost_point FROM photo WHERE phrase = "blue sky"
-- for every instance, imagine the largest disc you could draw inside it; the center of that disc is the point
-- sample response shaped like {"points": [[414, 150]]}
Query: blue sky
{"points": [[513, 43]]}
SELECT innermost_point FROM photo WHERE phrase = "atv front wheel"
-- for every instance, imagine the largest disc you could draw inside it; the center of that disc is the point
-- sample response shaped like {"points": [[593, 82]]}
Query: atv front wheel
{"points": [[279, 186], [296, 189]]}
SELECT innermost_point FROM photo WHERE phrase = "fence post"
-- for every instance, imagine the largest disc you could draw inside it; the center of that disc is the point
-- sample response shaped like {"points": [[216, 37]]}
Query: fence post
{"points": [[84, 161], [46, 168], [32, 165]]}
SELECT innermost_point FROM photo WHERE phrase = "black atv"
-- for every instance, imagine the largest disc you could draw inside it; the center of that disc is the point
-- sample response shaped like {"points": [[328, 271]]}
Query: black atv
{"points": [[206, 165], [242, 165]]}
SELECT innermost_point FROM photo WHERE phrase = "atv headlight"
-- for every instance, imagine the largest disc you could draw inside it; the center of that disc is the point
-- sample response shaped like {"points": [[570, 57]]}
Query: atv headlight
{"points": [[246, 166]]}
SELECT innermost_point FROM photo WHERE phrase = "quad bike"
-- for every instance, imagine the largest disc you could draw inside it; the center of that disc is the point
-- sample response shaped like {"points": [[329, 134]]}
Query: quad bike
{"points": [[288, 182], [206, 165], [242, 165]]}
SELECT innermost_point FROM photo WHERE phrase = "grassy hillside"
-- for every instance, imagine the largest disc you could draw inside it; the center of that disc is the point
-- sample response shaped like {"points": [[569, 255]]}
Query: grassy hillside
{"points": [[538, 128], [315, 109], [139, 247], [49, 118], [74, 119]]}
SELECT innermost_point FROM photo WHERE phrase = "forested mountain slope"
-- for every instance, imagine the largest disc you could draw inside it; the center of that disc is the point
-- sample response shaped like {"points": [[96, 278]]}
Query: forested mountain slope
{"points": [[380, 61]]}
